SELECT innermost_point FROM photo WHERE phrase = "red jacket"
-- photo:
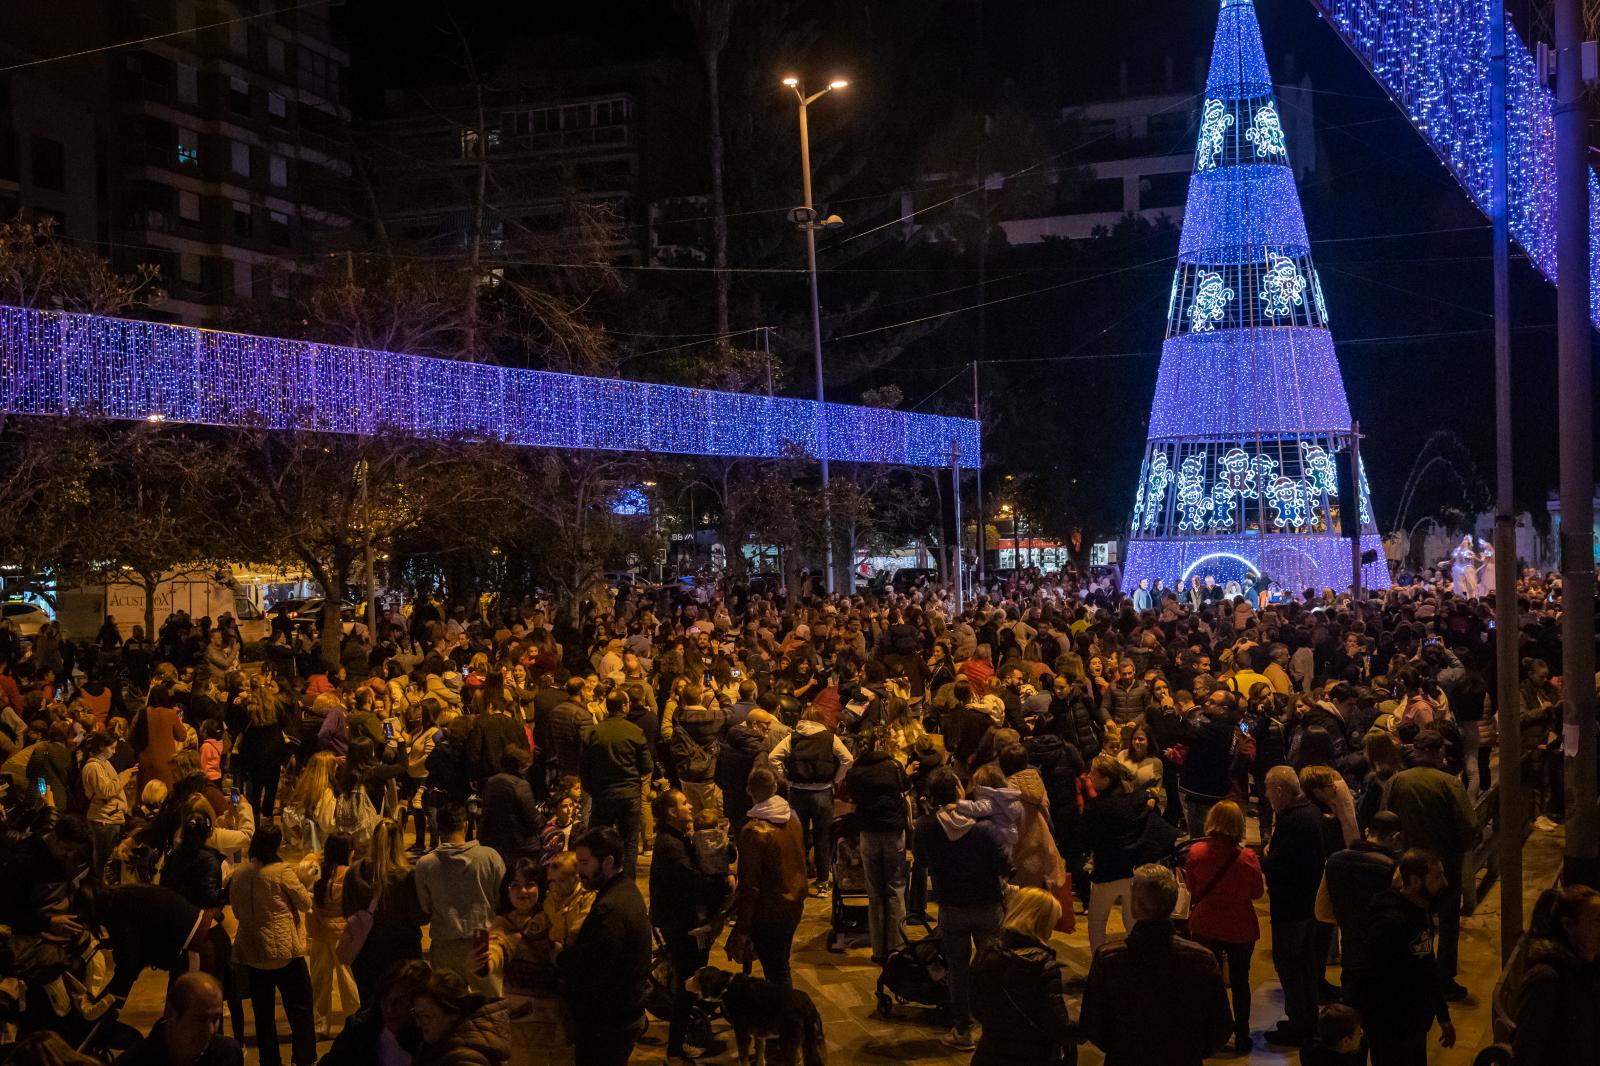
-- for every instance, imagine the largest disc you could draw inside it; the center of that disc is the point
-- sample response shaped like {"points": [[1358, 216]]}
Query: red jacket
{"points": [[1227, 910]]}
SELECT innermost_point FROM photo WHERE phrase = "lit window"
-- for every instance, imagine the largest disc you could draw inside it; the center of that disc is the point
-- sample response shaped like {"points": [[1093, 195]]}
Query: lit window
{"points": [[188, 147]]}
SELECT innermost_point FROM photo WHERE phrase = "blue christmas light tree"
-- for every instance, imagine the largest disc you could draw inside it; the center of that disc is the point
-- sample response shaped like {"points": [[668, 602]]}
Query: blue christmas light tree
{"points": [[1240, 473]]}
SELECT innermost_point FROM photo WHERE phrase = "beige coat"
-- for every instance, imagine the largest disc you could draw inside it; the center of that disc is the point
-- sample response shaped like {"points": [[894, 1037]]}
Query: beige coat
{"points": [[269, 903], [1036, 862]]}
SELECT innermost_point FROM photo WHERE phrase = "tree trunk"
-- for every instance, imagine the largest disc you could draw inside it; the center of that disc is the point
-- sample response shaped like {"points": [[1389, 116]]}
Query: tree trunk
{"points": [[332, 623], [150, 583], [719, 211]]}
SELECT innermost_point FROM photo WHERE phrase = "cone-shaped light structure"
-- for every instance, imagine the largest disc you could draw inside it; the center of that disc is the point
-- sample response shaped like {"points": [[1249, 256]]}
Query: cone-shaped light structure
{"points": [[1250, 420]]}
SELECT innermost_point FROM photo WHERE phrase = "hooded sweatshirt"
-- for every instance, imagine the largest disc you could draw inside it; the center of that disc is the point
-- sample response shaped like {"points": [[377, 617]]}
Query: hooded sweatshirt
{"points": [[771, 889], [999, 810], [967, 867], [458, 886]]}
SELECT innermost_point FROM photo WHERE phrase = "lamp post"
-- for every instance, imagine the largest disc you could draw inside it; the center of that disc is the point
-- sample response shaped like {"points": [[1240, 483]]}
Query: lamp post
{"points": [[806, 218]]}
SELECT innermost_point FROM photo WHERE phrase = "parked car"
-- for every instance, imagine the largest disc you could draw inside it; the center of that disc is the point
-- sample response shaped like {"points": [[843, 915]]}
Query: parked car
{"points": [[28, 618]]}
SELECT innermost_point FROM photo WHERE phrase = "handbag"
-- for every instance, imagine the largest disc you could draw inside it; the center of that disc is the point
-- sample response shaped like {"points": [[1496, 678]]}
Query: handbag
{"points": [[357, 928], [1063, 894]]}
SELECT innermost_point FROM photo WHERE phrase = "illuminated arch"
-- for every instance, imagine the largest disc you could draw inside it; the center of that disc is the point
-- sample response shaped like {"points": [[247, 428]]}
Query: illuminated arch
{"points": [[1222, 555]]}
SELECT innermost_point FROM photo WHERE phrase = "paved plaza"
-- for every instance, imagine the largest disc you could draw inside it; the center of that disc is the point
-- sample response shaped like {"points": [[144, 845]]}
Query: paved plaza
{"points": [[842, 985]]}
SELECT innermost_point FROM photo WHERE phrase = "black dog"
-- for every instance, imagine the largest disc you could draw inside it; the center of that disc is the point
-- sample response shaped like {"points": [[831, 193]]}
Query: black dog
{"points": [[762, 1012]]}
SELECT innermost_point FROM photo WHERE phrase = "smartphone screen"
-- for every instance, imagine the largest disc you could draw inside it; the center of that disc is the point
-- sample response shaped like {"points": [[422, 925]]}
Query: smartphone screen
{"points": [[388, 730], [234, 798], [1244, 727], [41, 786]]}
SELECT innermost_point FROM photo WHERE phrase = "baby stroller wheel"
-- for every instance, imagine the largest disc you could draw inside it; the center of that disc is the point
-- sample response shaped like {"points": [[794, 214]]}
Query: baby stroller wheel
{"points": [[885, 1005]]}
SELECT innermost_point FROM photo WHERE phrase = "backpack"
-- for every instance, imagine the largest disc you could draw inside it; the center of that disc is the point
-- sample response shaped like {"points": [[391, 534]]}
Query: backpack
{"points": [[811, 758], [694, 763]]}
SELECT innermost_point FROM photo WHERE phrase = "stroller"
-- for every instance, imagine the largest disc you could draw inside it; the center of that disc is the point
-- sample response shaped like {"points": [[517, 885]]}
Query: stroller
{"points": [[849, 916], [915, 973]]}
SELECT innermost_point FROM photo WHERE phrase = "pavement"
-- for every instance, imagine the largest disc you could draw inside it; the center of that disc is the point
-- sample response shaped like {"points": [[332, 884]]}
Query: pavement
{"points": [[843, 988]]}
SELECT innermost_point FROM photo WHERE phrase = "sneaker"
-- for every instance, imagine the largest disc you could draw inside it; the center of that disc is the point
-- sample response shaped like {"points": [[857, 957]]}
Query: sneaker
{"points": [[959, 1039], [1545, 825], [821, 888]]}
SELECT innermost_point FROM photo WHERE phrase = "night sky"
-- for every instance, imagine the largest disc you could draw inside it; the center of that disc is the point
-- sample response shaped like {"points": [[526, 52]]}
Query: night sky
{"points": [[1403, 256]]}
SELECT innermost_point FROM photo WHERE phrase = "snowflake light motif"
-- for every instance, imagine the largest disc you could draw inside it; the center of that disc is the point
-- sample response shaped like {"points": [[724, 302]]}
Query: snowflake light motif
{"points": [[1211, 299], [1282, 286], [1266, 133], [1214, 123]]}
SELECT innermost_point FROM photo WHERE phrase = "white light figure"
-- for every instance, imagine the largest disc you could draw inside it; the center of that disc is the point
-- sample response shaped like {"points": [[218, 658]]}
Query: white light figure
{"points": [[1316, 294], [1138, 497], [1365, 518], [1222, 503], [1262, 473], [1211, 299], [1192, 500], [1318, 465], [1172, 301], [1214, 123], [1266, 133], [1281, 286], [1291, 502], [1156, 488], [1234, 472]]}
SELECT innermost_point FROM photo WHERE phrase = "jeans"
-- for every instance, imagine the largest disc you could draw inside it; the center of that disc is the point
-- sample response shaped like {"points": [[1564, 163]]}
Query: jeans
{"points": [[102, 842], [293, 982], [1469, 758], [772, 944], [1195, 809], [461, 955], [1294, 957], [814, 808], [1102, 894], [1235, 962], [703, 795], [964, 929], [883, 855], [917, 893], [687, 956], [623, 816]]}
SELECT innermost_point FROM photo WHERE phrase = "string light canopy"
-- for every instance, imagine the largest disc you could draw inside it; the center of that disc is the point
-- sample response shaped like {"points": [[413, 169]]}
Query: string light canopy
{"points": [[54, 363], [1432, 57], [1240, 476]]}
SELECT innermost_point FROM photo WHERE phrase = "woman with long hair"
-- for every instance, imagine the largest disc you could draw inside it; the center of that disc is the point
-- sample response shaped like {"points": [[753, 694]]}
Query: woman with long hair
{"points": [[261, 750], [1556, 1020], [324, 927], [309, 810], [1383, 761], [1017, 987], [383, 881], [1113, 828]]}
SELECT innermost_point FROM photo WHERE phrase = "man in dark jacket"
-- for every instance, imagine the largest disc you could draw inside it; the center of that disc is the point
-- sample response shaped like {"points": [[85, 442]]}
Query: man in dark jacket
{"points": [[1125, 699], [878, 787], [967, 866], [188, 1032], [615, 759], [682, 895], [1203, 778], [1352, 879], [569, 726], [1075, 719], [493, 733], [607, 968], [1396, 986], [510, 823], [1155, 997], [743, 748], [1435, 814], [1293, 866]]}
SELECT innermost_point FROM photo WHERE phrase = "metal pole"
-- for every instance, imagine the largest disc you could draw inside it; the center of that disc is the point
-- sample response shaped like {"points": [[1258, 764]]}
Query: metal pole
{"points": [[955, 493], [816, 330], [372, 581], [1355, 541], [1508, 699], [983, 540], [1575, 409]]}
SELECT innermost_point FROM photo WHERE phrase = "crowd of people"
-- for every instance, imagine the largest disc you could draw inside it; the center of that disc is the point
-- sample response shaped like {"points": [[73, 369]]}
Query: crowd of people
{"points": [[445, 828]]}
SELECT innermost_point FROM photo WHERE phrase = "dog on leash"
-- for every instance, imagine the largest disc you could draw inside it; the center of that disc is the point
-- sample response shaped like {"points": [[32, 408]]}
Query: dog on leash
{"points": [[764, 1014]]}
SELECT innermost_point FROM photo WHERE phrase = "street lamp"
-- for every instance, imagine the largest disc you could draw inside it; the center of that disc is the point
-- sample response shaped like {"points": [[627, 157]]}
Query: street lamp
{"points": [[805, 217]]}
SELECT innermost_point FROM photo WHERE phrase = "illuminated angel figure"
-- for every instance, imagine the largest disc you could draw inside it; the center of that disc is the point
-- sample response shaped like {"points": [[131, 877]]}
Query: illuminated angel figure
{"points": [[1192, 499], [1214, 123], [1281, 286], [1211, 299], [1155, 495], [1266, 133], [1291, 502], [1318, 465]]}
